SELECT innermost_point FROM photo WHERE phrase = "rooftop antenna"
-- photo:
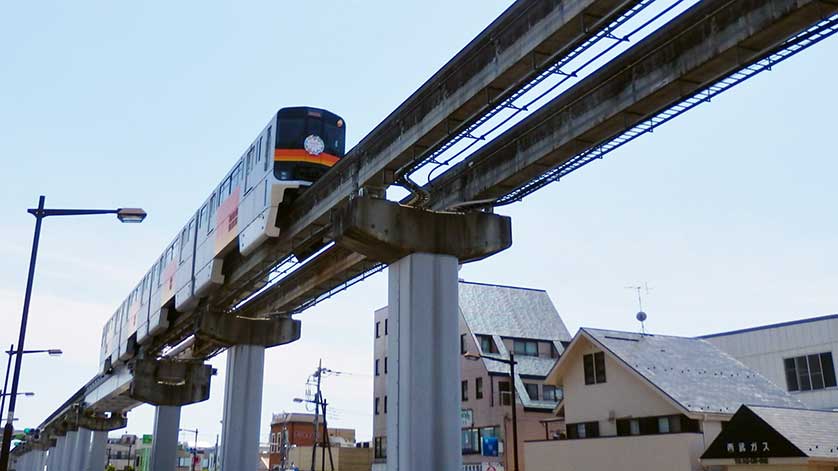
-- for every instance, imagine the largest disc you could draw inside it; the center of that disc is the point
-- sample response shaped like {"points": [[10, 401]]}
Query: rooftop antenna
{"points": [[641, 315]]}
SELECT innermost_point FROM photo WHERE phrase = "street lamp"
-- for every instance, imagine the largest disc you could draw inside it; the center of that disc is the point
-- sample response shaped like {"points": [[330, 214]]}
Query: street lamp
{"points": [[511, 362], [194, 450], [10, 352], [124, 215]]}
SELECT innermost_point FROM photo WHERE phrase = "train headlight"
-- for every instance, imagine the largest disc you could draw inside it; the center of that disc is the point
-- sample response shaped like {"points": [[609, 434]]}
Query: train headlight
{"points": [[314, 145]]}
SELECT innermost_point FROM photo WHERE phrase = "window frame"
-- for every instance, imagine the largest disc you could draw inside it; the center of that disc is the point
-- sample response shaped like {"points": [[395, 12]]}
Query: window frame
{"points": [[593, 365]]}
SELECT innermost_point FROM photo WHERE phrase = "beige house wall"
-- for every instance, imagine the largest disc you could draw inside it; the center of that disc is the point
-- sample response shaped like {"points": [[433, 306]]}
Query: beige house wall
{"points": [[345, 459], [622, 395], [671, 452]]}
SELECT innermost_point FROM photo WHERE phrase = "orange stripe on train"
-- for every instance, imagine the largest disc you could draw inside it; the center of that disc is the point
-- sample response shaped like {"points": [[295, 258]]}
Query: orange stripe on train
{"points": [[300, 155]]}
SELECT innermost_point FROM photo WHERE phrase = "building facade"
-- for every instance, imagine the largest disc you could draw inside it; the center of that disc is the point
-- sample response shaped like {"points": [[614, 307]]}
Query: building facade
{"points": [[797, 355], [645, 402], [293, 430], [494, 322]]}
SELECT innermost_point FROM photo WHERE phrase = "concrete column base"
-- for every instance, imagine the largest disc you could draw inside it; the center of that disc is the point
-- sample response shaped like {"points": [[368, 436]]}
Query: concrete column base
{"points": [[242, 407], [95, 459], [424, 360], [164, 444]]}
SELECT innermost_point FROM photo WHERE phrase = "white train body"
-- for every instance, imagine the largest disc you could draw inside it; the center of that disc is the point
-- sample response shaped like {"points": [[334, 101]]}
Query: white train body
{"points": [[292, 151]]}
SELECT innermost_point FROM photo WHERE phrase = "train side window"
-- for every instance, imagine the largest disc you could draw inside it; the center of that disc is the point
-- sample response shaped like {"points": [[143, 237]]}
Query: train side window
{"points": [[249, 160], [211, 222], [268, 147], [236, 177], [259, 146], [183, 234]]}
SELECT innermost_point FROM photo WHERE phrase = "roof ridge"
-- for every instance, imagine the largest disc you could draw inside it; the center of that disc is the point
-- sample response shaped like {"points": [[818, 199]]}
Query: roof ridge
{"points": [[771, 326], [501, 286], [826, 411]]}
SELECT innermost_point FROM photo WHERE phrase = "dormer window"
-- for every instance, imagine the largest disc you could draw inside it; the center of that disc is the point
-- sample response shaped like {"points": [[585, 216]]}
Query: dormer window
{"points": [[594, 367], [525, 347], [487, 345]]}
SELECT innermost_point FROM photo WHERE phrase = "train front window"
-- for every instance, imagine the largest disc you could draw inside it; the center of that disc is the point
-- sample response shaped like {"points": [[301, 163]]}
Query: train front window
{"points": [[334, 138], [291, 133]]}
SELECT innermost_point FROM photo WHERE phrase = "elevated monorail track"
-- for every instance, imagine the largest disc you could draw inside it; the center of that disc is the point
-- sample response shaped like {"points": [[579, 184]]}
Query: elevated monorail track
{"points": [[724, 43], [710, 48]]}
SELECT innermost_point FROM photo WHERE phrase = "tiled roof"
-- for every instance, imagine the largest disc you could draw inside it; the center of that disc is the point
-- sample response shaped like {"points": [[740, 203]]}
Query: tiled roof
{"points": [[510, 312], [814, 432], [693, 372]]}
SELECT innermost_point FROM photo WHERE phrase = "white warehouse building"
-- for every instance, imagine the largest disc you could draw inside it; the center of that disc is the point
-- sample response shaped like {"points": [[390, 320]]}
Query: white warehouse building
{"points": [[797, 356]]}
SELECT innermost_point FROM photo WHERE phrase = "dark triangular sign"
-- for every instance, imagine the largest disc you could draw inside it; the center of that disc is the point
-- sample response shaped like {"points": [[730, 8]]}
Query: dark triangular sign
{"points": [[749, 439]]}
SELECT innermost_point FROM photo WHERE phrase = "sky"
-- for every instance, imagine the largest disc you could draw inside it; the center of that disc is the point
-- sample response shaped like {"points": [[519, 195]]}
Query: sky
{"points": [[727, 212]]}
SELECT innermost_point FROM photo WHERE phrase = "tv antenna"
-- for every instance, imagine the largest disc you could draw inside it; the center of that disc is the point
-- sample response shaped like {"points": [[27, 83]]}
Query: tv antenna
{"points": [[641, 315]]}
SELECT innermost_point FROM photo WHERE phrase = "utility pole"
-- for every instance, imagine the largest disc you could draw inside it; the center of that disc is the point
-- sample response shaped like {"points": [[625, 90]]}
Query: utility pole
{"points": [[319, 374], [327, 444]]}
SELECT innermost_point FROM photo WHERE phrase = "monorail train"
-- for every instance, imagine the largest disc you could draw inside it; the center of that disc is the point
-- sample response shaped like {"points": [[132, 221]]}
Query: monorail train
{"points": [[295, 148]]}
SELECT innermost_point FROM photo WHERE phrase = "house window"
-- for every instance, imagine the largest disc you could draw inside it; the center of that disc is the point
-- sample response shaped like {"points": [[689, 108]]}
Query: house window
{"points": [[594, 367], [376, 367], [462, 344], [657, 425], [377, 329], [583, 430], [380, 446], [386, 327], [385, 404], [376, 406], [505, 393], [464, 390], [478, 388], [525, 347], [385, 365], [551, 393], [532, 390], [809, 372], [487, 345], [471, 441]]}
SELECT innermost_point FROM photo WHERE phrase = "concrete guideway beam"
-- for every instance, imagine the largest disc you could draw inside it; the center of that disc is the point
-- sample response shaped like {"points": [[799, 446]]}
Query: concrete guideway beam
{"points": [[422, 305], [236, 330], [165, 442], [704, 44], [370, 230], [385, 231], [164, 382], [502, 58], [242, 407]]}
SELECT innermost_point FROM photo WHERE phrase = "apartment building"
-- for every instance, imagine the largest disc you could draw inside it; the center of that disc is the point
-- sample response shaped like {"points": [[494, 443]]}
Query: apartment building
{"points": [[798, 355], [494, 322], [645, 402]]}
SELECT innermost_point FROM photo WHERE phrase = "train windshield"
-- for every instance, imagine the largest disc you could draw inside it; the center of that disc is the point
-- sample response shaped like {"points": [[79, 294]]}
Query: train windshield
{"points": [[295, 125]]}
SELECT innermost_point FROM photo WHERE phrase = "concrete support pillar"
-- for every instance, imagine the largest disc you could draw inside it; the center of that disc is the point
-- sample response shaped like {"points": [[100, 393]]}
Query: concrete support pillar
{"points": [[81, 446], [70, 445], [164, 445], [242, 407], [423, 426], [95, 460], [50, 456], [42, 460], [58, 463]]}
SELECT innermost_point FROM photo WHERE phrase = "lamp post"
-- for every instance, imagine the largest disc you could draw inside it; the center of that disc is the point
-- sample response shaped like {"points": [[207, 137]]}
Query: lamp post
{"points": [[511, 362], [124, 215], [194, 450], [10, 352]]}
